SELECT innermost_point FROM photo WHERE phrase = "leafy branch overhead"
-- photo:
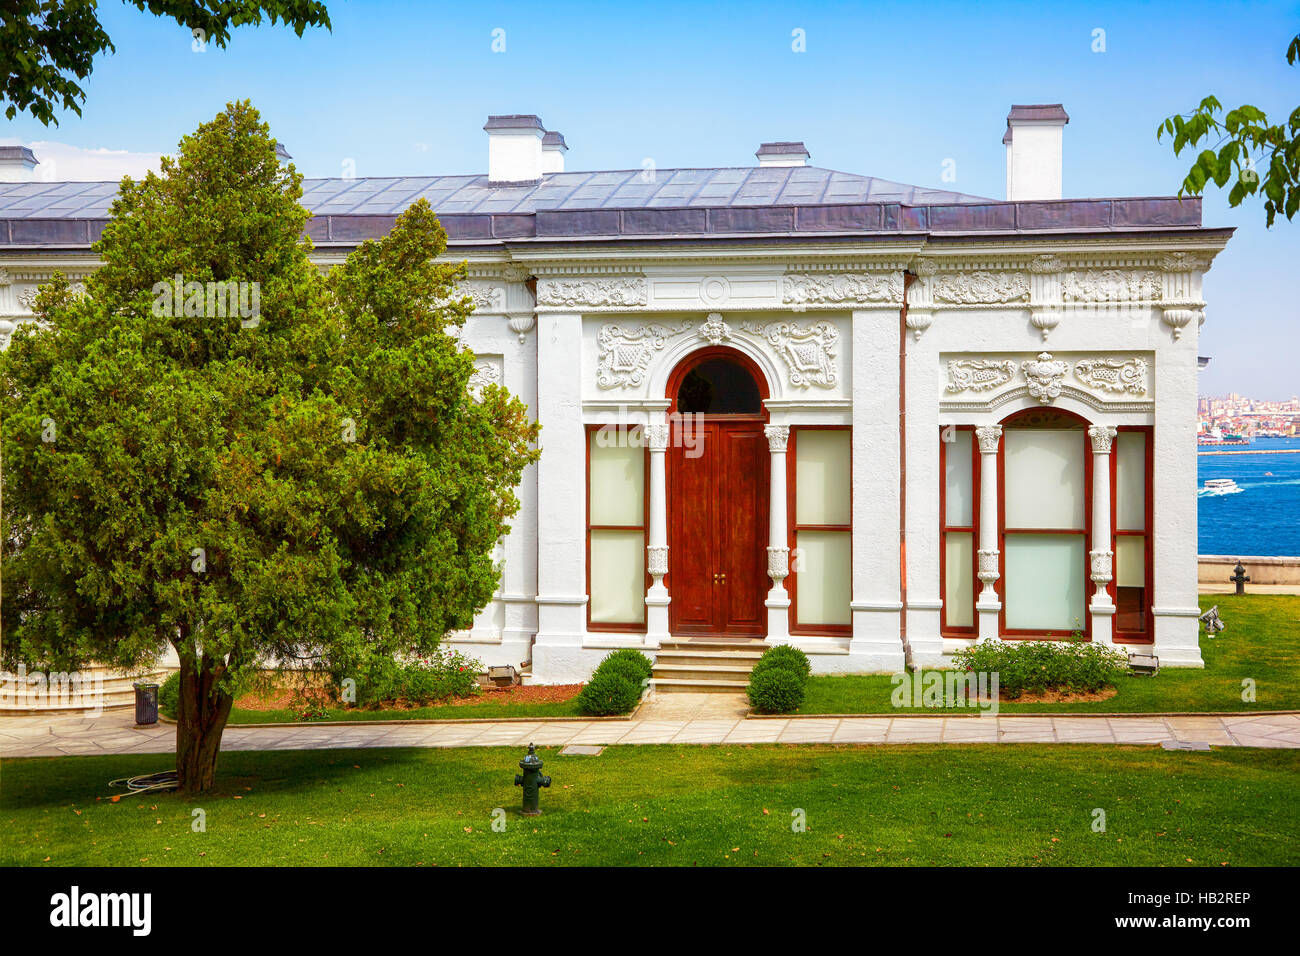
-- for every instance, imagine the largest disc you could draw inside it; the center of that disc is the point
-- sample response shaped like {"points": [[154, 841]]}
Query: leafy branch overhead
{"points": [[48, 47], [1247, 145]]}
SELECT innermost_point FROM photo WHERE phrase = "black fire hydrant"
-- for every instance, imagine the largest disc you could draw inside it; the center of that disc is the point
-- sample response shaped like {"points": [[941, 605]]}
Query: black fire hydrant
{"points": [[532, 780], [1239, 578]]}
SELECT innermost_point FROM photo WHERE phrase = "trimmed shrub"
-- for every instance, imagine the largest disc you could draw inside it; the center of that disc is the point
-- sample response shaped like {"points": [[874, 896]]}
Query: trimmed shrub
{"points": [[779, 680], [440, 676], [777, 690], [1034, 667], [783, 655], [169, 695], [608, 694], [632, 664]]}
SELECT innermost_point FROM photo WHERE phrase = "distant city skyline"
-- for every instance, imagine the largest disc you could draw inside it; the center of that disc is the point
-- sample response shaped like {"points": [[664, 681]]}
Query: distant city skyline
{"points": [[400, 88], [1247, 396]]}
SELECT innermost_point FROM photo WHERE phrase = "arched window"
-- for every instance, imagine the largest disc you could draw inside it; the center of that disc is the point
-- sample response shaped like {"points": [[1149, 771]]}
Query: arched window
{"points": [[719, 386]]}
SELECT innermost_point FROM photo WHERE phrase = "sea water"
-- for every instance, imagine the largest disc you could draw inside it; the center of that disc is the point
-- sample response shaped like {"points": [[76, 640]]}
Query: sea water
{"points": [[1264, 517]]}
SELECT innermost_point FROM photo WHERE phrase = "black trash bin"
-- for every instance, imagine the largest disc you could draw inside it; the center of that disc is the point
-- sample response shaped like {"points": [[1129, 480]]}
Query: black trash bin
{"points": [[146, 703]]}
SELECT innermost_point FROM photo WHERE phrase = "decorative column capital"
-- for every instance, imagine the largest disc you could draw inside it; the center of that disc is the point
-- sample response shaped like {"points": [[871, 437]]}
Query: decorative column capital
{"points": [[989, 436], [1102, 566], [988, 566], [657, 560], [656, 436], [778, 564], [778, 436], [1103, 437]]}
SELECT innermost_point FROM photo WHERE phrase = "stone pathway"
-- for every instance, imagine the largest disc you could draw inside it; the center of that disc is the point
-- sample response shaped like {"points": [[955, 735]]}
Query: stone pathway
{"points": [[670, 718]]}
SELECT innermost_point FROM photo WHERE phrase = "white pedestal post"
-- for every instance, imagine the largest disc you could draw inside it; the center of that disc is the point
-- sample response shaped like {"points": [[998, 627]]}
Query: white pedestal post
{"points": [[1101, 557], [656, 598], [988, 608], [778, 549]]}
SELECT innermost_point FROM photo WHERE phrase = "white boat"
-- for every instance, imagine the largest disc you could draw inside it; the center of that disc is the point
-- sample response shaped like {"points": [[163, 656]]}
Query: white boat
{"points": [[1220, 486]]}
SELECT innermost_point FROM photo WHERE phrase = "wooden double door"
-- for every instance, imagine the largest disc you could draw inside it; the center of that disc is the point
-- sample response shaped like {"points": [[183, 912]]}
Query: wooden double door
{"points": [[717, 529]]}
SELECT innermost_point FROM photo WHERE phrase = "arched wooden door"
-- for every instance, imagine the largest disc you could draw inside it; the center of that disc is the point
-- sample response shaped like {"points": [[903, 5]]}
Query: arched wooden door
{"points": [[718, 485]]}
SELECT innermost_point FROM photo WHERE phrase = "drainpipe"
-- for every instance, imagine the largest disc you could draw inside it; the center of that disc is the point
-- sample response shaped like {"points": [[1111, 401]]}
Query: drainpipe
{"points": [[908, 279]]}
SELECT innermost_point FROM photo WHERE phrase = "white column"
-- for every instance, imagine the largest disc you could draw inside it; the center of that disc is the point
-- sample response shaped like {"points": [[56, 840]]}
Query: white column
{"points": [[988, 607], [656, 598], [778, 549], [558, 656], [923, 391], [1101, 557], [877, 644], [1173, 498]]}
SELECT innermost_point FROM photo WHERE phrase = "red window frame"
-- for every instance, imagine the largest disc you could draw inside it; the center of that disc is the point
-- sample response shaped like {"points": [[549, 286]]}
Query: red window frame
{"points": [[793, 528], [1146, 636], [634, 627], [946, 629], [1054, 418]]}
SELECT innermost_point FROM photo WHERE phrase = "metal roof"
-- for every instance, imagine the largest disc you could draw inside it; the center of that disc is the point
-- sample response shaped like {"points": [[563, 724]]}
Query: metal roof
{"points": [[751, 201], [449, 195]]}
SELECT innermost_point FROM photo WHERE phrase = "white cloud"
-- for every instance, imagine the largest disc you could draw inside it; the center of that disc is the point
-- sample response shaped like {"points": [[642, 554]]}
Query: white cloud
{"points": [[61, 162]]}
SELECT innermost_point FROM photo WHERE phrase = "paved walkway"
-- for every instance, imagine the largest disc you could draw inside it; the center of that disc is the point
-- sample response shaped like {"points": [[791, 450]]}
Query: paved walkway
{"points": [[115, 732]]}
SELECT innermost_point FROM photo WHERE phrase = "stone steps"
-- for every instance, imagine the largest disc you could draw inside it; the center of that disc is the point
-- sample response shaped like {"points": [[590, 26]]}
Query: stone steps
{"points": [[697, 686], [106, 688], [710, 671], [705, 666]]}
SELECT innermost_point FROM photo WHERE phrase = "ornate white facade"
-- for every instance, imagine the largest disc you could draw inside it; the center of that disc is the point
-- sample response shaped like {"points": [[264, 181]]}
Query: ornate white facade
{"points": [[896, 335]]}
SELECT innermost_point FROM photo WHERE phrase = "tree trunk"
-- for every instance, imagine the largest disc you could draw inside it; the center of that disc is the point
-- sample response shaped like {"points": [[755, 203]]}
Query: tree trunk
{"points": [[204, 709]]}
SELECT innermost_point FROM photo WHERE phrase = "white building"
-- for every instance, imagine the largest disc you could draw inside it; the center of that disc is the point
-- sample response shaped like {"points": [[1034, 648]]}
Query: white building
{"points": [[784, 403]]}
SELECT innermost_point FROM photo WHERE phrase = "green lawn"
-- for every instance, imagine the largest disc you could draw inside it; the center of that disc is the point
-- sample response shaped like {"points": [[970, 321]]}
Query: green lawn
{"points": [[1262, 642], [668, 805]]}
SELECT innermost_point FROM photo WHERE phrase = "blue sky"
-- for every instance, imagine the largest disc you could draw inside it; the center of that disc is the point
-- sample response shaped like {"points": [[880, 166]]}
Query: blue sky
{"points": [[890, 90]]}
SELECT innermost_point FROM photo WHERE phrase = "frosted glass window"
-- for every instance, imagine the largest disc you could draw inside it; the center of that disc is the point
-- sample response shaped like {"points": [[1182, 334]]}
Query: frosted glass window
{"points": [[617, 577], [822, 581], [1130, 561], [1131, 481], [959, 579], [616, 479], [821, 477], [1044, 477], [959, 491], [1044, 588]]}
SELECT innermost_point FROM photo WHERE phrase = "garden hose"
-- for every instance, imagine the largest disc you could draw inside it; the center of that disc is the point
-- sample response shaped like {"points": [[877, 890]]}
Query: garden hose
{"points": [[148, 782]]}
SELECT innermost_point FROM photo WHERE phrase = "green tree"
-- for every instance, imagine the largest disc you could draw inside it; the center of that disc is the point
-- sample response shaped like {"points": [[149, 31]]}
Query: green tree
{"points": [[309, 483], [47, 46], [1246, 144]]}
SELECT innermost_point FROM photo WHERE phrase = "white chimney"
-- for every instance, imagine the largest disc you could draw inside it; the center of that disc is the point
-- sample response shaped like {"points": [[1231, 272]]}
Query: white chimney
{"points": [[782, 154], [17, 164], [553, 150], [514, 148], [1033, 140]]}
